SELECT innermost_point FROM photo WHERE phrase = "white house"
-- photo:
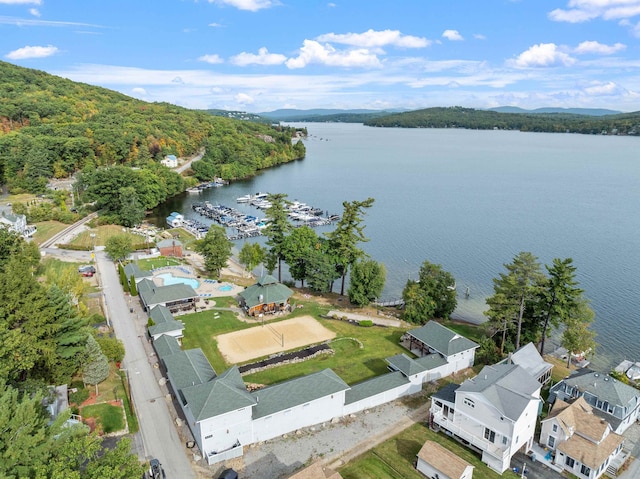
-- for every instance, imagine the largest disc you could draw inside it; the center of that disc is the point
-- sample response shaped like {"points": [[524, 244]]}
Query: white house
{"points": [[435, 461], [584, 443], [170, 161], [529, 358], [18, 224], [435, 339], [616, 402], [164, 323], [494, 413]]}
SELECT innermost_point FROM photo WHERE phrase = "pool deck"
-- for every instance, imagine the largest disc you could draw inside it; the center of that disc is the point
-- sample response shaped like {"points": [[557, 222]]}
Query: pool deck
{"points": [[208, 288]]}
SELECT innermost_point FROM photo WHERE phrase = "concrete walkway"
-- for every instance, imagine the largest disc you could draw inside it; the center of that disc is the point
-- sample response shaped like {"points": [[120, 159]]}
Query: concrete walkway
{"points": [[394, 323]]}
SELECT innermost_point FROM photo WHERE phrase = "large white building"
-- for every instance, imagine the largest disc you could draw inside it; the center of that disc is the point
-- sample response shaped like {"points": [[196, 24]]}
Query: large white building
{"points": [[494, 413]]}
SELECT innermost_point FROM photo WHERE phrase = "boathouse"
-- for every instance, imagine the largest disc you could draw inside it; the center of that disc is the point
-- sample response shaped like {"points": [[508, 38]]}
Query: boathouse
{"points": [[267, 296]]}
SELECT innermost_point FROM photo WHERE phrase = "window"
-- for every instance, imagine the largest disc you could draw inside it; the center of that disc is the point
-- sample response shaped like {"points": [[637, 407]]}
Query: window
{"points": [[555, 428], [209, 436], [569, 461], [489, 435], [551, 442], [585, 471], [504, 440], [469, 402]]}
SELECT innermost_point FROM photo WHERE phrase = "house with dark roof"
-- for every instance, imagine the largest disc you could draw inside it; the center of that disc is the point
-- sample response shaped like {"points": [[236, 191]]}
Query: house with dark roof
{"points": [[132, 269], [170, 247], [176, 297], [493, 413], [616, 402], [164, 323], [439, 343], [267, 296], [584, 443], [17, 224], [437, 461]]}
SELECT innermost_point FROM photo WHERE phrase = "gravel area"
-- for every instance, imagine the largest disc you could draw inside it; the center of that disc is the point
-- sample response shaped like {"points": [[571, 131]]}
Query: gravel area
{"points": [[334, 443]]}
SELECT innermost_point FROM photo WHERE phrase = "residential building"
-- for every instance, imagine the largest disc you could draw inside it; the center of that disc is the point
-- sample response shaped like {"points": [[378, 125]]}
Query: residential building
{"points": [[170, 161], [175, 220], [267, 296], [530, 360], [435, 339], [164, 323], [170, 247], [616, 402], [584, 443], [132, 269], [177, 297], [17, 224], [493, 413], [435, 461]]}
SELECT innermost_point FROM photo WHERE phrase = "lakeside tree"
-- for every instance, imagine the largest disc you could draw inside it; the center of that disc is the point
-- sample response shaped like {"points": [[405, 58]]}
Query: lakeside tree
{"points": [[278, 227], [366, 281], [432, 296], [559, 298], [297, 248], [215, 248], [512, 292], [344, 239], [577, 336], [320, 268], [251, 255], [118, 247]]}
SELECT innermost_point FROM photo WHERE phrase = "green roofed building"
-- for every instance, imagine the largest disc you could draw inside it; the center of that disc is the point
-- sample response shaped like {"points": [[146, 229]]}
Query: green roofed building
{"points": [[267, 296], [176, 297], [164, 323]]}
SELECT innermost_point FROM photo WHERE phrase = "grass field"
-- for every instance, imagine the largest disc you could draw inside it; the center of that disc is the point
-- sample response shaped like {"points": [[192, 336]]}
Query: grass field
{"points": [[395, 458], [103, 233], [149, 264], [47, 229], [109, 417]]}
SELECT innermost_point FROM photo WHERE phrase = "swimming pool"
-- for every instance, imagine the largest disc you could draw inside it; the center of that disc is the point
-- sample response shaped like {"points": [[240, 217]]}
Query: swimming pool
{"points": [[169, 278], [226, 287]]}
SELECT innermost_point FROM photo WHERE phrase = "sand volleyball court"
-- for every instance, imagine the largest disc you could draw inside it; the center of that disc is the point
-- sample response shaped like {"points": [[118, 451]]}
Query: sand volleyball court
{"points": [[270, 338]]}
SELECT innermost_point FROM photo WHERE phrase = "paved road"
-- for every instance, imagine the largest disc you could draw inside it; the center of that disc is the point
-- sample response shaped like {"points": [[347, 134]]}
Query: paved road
{"points": [[199, 156], [159, 435]]}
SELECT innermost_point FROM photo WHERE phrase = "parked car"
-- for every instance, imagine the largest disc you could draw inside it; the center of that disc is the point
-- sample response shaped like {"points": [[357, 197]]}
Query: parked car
{"points": [[228, 474], [87, 270], [155, 470]]}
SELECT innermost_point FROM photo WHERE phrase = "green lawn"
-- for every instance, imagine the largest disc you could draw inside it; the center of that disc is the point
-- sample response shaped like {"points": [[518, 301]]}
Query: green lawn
{"points": [[350, 362], [395, 458], [47, 229], [153, 263], [109, 417], [102, 234]]}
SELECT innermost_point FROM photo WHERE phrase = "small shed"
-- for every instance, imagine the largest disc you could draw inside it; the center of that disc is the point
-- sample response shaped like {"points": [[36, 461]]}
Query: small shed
{"points": [[170, 247], [267, 296], [437, 462]]}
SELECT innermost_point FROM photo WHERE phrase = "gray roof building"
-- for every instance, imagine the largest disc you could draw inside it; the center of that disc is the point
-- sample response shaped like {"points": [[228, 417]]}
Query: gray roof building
{"points": [[442, 339], [374, 386], [166, 346], [188, 368], [153, 295], [164, 321], [132, 269], [266, 291], [529, 358], [296, 392]]}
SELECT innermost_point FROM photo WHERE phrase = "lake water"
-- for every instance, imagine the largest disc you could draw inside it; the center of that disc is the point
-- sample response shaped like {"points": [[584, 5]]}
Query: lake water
{"points": [[470, 201]]}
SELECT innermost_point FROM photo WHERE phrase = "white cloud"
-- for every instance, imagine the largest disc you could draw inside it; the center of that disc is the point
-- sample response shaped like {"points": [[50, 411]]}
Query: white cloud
{"points": [[543, 55], [609, 88], [35, 12], [372, 38], [251, 5], [598, 48], [584, 10], [313, 52], [21, 2], [215, 25], [452, 35], [262, 58], [331, 5], [32, 22], [244, 99], [213, 59], [139, 91], [479, 36], [32, 52]]}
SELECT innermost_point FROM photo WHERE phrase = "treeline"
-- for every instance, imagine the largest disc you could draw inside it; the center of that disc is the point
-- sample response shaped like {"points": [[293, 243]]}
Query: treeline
{"points": [[459, 117], [53, 127]]}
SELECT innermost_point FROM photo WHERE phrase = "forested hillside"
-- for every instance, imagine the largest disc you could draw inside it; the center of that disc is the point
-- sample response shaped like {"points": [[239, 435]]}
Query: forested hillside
{"points": [[458, 117], [53, 127]]}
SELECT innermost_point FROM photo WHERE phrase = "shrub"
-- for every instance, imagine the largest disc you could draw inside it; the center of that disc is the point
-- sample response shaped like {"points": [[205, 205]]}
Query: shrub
{"points": [[150, 322], [80, 396], [366, 323]]}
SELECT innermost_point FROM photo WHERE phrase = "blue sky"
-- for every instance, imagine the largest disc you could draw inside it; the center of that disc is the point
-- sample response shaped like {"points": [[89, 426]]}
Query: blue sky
{"points": [[261, 55]]}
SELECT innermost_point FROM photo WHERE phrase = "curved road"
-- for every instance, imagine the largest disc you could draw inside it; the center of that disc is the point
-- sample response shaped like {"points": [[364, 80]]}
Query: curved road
{"points": [[159, 435]]}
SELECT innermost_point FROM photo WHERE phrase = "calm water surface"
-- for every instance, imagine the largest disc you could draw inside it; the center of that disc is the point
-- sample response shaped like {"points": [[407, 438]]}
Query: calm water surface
{"points": [[471, 200]]}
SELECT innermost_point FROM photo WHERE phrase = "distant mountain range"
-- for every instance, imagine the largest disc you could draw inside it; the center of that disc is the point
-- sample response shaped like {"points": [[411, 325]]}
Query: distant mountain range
{"points": [[547, 110]]}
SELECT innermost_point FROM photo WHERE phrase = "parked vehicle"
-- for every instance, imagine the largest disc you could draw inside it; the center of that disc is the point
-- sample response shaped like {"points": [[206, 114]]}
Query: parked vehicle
{"points": [[155, 470], [228, 474], [87, 268]]}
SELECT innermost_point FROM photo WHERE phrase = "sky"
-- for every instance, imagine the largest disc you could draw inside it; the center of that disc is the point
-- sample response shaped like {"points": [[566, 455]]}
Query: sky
{"points": [[262, 55]]}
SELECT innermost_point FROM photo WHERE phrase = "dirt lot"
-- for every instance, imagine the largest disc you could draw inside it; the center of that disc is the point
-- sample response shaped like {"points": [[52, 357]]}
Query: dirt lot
{"points": [[260, 341]]}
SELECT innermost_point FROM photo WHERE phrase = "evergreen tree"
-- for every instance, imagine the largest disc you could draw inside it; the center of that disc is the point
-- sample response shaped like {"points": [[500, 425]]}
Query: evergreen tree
{"points": [[123, 277], [432, 296], [96, 368], [133, 288], [216, 249], [278, 226], [297, 248], [345, 238]]}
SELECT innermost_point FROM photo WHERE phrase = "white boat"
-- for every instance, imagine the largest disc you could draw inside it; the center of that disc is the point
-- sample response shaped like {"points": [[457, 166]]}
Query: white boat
{"points": [[633, 372], [195, 189], [244, 199]]}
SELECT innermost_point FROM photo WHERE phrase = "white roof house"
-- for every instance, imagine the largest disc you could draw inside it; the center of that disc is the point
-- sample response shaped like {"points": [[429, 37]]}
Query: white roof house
{"points": [[170, 161], [529, 358], [495, 412]]}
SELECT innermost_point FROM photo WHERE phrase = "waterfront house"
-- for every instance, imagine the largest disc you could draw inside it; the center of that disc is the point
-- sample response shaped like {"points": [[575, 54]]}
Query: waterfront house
{"points": [[584, 443], [170, 247], [175, 220], [267, 296], [170, 161], [437, 461], [493, 413], [435, 339], [529, 358], [164, 323], [176, 297], [616, 402]]}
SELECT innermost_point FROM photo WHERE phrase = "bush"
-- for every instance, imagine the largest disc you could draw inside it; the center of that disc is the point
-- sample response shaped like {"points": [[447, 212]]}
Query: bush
{"points": [[366, 323], [80, 396], [112, 348], [150, 322]]}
